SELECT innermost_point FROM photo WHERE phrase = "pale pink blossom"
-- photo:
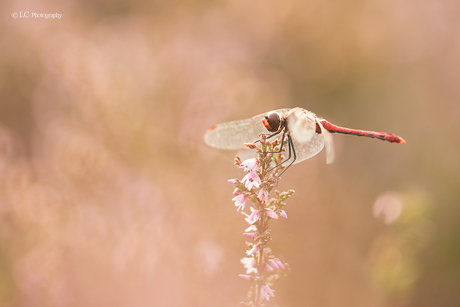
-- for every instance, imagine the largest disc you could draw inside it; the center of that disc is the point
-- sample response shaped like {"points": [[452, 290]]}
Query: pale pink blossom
{"points": [[254, 217], [268, 268], [249, 165], [271, 214], [273, 264], [233, 181], [236, 191], [251, 228], [251, 180], [246, 277], [251, 235], [240, 201], [263, 195], [266, 292], [249, 263], [280, 264], [253, 250], [282, 213]]}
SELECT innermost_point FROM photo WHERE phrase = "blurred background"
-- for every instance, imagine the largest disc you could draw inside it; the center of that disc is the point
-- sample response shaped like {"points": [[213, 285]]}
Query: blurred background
{"points": [[109, 196]]}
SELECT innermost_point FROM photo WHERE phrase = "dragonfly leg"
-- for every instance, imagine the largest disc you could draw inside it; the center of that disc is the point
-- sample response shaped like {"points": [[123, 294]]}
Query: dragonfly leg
{"points": [[276, 133], [279, 151], [270, 136], [282, 142], [291, 146]]}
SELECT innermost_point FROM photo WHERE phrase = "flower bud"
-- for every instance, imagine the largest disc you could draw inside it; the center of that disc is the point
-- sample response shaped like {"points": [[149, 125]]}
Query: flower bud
{"points": [[251, 235], [246, 277], [250, 145]]}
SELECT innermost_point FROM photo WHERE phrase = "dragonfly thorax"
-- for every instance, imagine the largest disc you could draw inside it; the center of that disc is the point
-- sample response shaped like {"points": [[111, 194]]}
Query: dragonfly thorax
{"points": [[273, 121]]}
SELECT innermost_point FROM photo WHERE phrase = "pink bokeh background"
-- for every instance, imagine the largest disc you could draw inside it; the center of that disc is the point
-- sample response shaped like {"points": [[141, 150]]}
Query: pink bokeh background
{"points": [[110, 197]]}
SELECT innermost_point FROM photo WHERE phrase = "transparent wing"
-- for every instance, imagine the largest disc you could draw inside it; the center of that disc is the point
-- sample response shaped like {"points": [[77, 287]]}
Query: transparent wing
{"points": [[232, 135], [306, 151], [330, 154], [302, 128], [303, 151]]}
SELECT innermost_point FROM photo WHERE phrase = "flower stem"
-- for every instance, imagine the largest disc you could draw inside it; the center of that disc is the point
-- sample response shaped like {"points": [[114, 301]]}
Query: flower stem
{"points": [[256, 186]]}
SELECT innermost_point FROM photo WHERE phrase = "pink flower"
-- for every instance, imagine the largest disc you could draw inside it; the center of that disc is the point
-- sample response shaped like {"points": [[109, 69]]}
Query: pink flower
{"points": [[251, 180], [266, 292], [240, 201], [273, 264], [249, 165], [236, 191], [263, 195], [251, 235], [249, 263], [233, 181], [271, 214], [280, 264], [282, 213], [254, 217], [251, 228], [269, 268], [245, 277], [253, 250]]}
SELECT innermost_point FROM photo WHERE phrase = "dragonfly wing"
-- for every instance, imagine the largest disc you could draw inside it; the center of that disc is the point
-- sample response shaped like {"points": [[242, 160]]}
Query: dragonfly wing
{"points": [[305, 151], [232, 135], [302, 128], [328, 143]]}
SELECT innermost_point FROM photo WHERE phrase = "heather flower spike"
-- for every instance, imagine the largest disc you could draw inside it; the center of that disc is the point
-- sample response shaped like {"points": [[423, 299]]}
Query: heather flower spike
{"points": [[249, 165], [240, 201], [263, 269], [266, 292], [251, 180]]}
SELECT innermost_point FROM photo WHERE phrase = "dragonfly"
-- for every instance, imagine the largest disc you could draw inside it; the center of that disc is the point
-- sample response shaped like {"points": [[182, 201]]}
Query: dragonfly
{"points": [[304, 132]]}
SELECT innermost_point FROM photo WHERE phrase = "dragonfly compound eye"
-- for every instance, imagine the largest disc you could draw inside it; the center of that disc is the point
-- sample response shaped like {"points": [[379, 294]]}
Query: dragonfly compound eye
{"points": [[272, 121]]}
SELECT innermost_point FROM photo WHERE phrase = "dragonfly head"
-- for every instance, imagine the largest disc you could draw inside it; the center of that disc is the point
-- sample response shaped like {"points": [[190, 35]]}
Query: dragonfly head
{"points": [[272, 121]]}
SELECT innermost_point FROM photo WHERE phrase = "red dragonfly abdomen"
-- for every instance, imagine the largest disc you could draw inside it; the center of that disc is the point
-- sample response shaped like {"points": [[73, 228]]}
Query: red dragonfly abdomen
{"points": [[370, 134]]}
